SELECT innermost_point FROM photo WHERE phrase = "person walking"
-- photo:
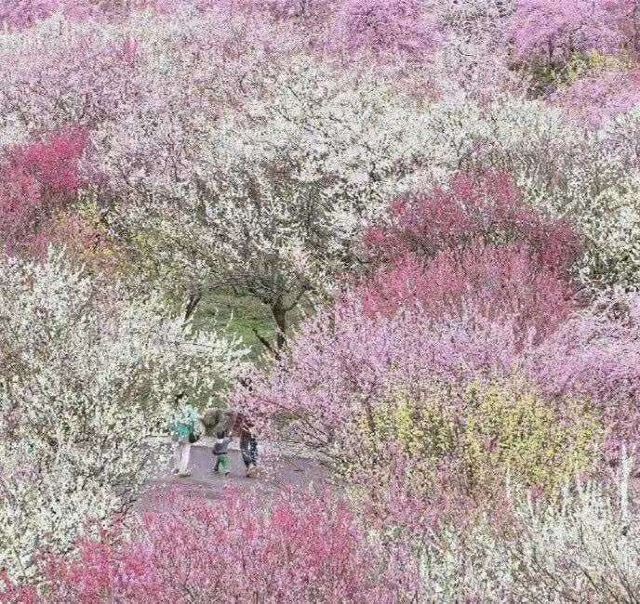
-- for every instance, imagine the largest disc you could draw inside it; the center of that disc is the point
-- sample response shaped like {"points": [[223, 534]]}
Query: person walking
{"points": [[183, 434], [221, 452]]}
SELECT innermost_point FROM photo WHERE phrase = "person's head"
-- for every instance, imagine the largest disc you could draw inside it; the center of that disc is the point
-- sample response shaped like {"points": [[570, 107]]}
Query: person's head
{"points": [[221, 434]]}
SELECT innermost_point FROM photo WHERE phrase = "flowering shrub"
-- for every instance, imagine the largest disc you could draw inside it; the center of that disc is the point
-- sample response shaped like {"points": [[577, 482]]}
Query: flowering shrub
{"points": [[345, 360], [484, 433], [475, 248], [600, 97], [24, 13], [595, 355], [342, 359], [385, 29], [21, 14], [496, 283], [583, 547], [514, 430], [304, 548], [552, 32], [488, 208]]}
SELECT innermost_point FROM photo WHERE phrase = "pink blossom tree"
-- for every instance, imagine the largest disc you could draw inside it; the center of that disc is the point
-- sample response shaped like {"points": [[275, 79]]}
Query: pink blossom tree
{"points": [[488, 209], [303, 548], [474, 245], [596, 354], [598, 98], [40, 182], [20, 14], [551, 32], [385, 29], [497, 283], [344, 360]]}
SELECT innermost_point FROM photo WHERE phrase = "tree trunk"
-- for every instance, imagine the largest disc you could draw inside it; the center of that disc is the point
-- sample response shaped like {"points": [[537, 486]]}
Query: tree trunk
{"points": [[280, 317], [192, 304]]}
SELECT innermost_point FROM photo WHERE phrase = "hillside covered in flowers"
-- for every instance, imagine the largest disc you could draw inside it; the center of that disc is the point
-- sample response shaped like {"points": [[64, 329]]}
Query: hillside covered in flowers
{"points": [[401, 237]]}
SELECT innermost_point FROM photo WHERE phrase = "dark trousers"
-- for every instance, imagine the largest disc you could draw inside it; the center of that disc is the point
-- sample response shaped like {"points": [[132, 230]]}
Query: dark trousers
{"points": [[249, 450]]}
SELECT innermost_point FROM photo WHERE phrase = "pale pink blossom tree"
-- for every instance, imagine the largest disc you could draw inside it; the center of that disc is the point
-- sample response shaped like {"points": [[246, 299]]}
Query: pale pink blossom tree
{"points": [[600, 97], [385, 30], [551, 32], [21, 14]]}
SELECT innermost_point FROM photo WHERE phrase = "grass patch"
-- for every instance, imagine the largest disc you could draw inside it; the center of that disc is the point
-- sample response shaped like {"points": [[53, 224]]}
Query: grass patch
{"points": [[244, 315]]}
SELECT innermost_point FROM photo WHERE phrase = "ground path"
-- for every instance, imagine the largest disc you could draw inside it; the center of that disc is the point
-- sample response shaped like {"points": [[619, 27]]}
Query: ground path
{"points": [[276, 473]]}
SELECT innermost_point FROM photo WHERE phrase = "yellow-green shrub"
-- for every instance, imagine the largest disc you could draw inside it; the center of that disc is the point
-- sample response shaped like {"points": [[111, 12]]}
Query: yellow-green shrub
{"points": [[511, 430], [487, 432]]}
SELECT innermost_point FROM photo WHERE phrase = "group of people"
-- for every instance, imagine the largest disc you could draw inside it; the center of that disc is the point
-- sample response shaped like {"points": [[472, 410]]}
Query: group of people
{"points": [[215, 429]]}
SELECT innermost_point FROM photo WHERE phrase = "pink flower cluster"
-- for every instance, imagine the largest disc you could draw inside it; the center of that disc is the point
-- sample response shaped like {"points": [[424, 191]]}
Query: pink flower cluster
{"points": [[384, 29], [468, 285], [305, 548], [21, 14], [475, 245], [39, 182], [596, 354], [551, 32], [599, 97], [487, 208]]}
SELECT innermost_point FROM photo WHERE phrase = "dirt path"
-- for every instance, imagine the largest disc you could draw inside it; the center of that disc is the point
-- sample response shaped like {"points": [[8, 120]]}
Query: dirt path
{"points": [[276, 473]]}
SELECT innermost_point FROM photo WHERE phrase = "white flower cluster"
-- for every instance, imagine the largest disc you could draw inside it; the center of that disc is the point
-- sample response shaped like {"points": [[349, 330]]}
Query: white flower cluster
{"points": [[89, 378], [583, 548], [269, 198]]}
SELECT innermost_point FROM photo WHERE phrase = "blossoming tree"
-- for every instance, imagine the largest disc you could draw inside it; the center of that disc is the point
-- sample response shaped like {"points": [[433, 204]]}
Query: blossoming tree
{"points": [[267, 200]]}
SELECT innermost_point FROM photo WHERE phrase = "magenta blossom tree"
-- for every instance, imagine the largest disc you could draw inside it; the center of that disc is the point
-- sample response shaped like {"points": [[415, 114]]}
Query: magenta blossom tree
{"points": [[497, 283], [304, 548], [487, 209], [475, 245], [40, 181]]}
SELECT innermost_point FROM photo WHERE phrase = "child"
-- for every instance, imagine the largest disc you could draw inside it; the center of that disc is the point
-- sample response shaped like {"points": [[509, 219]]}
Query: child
{"points": [[221, 451]]}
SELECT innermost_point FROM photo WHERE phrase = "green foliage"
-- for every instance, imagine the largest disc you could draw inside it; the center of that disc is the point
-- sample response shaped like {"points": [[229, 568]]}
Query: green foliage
{"points": [[245, 316], [545, 76], [426, 430]]}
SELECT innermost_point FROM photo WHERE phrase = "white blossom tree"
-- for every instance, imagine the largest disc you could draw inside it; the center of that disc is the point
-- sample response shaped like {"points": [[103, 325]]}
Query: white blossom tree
{"points": [[268, 199], [89, 377]]}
